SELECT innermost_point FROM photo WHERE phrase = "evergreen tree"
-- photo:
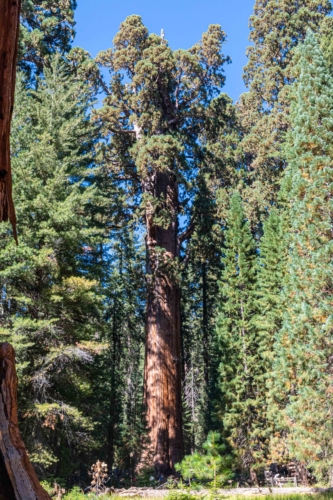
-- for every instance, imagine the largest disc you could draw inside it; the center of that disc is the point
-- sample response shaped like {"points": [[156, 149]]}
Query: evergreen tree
{"points": [[270, 279], [201, 267], [50, 299], [153, 124], [276, 29], [303, 353], [236, 334], [201, 271], [117, 371], [213, 464], [47, 27], [267, 322], [326, 41]]}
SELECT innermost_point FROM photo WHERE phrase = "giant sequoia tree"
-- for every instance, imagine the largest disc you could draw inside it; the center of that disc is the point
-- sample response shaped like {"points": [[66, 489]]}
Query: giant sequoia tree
{"points": [[153, 119]]}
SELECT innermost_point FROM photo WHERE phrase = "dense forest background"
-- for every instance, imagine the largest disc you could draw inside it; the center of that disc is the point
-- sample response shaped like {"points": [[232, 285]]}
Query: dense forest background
{"points": [[254, 268]]}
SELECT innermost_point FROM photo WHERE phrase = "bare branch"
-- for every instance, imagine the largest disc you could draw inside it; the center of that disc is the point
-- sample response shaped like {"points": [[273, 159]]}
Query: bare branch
{"points": [[104, 86], [123, 132], [173, 121], [186, 235], [187, 257]]}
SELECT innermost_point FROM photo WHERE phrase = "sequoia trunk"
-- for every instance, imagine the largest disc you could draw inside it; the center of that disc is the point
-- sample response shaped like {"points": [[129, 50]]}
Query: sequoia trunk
{"points": [[18, 480], [9, 32], [162, 362]]}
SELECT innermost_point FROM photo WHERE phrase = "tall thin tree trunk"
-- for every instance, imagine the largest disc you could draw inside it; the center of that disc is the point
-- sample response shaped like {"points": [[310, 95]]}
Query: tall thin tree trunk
{"points": [[302, 473], [9, 32], [18, 480], [113, 408], [205, 324], [162, 391]]}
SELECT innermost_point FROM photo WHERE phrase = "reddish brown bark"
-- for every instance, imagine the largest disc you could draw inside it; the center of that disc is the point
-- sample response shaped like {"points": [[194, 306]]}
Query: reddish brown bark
{"points": [[162, 361], [302, 473], [18, 480], [9, 33]]}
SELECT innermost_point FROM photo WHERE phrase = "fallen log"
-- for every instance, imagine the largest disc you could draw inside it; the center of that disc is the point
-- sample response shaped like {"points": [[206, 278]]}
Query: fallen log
{"points": [[18, 480]]}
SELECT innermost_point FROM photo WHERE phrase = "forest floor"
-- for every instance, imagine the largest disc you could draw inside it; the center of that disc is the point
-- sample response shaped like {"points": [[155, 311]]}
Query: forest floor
{"points": [[293, 492]]}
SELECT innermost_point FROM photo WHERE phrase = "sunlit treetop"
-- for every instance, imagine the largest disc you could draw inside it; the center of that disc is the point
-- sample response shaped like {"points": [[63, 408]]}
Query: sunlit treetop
{"points": [[47, 26]]}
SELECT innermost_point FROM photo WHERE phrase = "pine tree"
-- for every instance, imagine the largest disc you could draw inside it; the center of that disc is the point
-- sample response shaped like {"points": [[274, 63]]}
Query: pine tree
{"points": [[267, 322], [270, 279], [213, 464], [47, 28], [236, 334], [50, 298], [276, 29], [201, 271], [326, 41], [117, 379], [220, 172], [303, 352]]}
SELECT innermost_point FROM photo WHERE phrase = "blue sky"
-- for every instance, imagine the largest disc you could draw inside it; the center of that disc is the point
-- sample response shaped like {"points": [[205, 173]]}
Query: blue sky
{"points": [[182, 20]]}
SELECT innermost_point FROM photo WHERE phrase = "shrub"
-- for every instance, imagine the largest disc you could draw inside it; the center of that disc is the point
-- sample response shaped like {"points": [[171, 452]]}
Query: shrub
{"points": [[212, 465]]}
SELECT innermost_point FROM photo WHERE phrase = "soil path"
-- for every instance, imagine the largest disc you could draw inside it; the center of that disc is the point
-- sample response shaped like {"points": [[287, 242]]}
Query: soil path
{"points": [[159, 493]]}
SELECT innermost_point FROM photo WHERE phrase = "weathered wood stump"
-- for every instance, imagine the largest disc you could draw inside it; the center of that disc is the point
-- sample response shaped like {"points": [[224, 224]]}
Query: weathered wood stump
{"points": [[18, 480]]}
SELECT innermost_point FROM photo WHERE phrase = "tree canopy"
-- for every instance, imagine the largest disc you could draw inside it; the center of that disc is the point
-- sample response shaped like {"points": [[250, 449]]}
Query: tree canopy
{"points": [[170, 298]]}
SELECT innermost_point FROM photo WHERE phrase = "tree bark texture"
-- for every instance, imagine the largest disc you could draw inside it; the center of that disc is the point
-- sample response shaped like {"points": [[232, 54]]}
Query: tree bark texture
{"points": [[302, 473], [162, 390], [113, 408], [205, 324], [18, 480], [9, 33]]}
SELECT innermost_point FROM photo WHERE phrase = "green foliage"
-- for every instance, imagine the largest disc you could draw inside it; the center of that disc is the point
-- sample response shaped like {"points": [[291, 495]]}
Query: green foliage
{"points": [[270, 279], [169, 149], [199, 302], [117, 383], [267, 323], [302, 368], [326, 41], [77, 494], [276, 28], [50, 294], [180, 495], [240, 365], [146, 478], [150, 134], [47, 487], [213, 465], [191, 467], [47, 27]]}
